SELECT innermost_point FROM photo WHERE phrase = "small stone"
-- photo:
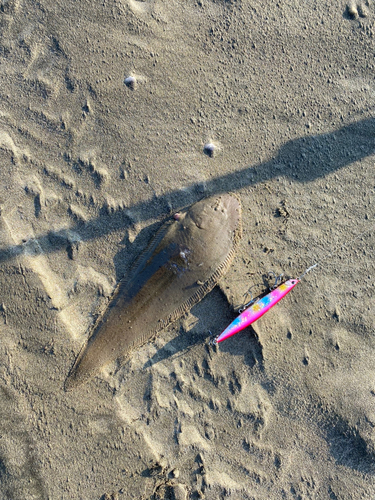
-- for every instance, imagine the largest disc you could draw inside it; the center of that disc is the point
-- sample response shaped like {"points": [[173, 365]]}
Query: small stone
{"points": [[306, 359], [131, 82], [352, 10], [175, 473], [210, 149], [337, 313]]}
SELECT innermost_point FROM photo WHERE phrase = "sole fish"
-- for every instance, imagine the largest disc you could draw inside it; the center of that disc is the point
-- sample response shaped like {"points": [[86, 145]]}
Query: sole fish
{"points": [[183, 262]]}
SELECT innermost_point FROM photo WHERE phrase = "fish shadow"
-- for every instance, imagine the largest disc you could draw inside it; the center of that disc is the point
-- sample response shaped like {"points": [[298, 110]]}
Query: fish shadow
{"points": [[213, 312], [245, 343]]}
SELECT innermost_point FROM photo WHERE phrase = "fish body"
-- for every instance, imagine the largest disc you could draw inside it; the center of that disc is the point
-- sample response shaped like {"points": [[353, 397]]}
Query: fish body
{"points": [[182, 263], [254, 312]]}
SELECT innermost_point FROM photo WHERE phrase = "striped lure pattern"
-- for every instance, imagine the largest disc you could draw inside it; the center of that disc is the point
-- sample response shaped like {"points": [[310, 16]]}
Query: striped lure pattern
{"points": [[257, 310]]}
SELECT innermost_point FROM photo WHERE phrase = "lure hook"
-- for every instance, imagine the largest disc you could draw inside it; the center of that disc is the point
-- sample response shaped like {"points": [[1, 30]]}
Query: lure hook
{"points": [[278, 279], [247, 304], [261, 306]]}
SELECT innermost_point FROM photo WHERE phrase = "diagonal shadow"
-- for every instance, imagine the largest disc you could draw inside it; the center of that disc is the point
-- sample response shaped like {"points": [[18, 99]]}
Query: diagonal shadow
{"points": [[302, 160], [245, 343]]}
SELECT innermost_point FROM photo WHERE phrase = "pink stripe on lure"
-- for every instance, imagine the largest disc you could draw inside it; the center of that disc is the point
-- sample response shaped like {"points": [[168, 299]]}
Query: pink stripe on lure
{"points": [[257, 310]]}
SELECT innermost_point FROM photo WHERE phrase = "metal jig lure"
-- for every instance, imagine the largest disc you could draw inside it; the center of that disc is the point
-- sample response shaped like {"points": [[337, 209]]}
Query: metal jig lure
{"points": [[252, 311], [257, 310], [260, 307]]}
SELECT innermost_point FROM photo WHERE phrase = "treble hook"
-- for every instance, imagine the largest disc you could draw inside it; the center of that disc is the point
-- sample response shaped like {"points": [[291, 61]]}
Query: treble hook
{"points": [[278, 279], [247, 304]]}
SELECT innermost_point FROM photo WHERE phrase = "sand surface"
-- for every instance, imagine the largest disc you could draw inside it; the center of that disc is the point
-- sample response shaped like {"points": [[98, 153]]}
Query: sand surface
{"points": [[91, 166]]}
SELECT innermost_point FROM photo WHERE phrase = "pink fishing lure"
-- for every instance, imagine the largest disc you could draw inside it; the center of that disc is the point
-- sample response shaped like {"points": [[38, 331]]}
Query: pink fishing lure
{"points": [[257, 310]]}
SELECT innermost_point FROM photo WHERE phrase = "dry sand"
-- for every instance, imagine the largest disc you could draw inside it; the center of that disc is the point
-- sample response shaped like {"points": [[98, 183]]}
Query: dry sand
{"points": [[91, 165]]}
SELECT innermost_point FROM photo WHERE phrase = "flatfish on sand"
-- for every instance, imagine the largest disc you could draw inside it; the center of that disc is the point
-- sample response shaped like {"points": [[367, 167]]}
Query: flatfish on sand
{"points": [[183, 262]]}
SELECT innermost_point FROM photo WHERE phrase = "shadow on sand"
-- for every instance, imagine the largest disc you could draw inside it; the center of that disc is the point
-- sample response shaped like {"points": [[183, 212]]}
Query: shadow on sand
{"points": [[301, 160]]}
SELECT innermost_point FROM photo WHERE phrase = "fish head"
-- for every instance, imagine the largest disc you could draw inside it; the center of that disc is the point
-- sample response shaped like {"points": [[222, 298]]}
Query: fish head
{"points": [[215, 212], [210, 229]]}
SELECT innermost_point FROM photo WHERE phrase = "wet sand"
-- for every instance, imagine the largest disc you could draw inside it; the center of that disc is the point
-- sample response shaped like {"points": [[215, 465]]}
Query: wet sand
{"points": [[105, 111]]}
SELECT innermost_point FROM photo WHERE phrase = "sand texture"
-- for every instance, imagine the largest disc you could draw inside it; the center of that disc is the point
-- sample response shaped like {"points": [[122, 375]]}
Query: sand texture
{"points": [[105, 111]]}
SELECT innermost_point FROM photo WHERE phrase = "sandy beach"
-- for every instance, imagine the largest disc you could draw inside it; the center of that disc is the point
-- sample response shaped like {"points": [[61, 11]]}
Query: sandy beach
{"points": [[105, 111]]}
